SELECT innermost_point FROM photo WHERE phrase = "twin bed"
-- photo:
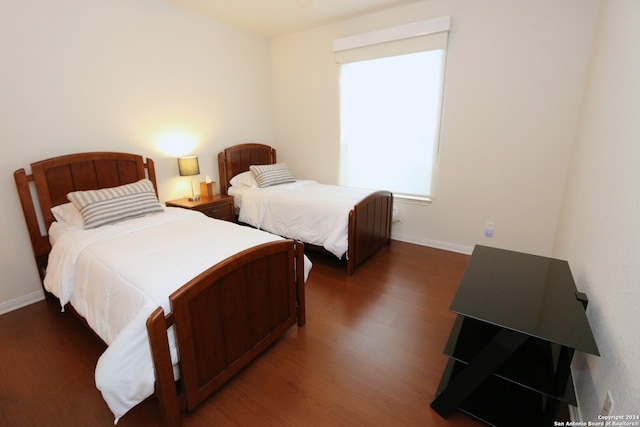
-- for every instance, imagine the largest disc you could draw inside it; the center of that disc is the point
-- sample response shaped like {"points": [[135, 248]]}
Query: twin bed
{"points": [[152, 287], [348, 222], [156, 282]]}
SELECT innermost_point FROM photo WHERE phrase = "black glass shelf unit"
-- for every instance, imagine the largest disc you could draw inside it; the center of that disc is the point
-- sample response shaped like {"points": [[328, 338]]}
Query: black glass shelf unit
{"points": [[520, 320]]}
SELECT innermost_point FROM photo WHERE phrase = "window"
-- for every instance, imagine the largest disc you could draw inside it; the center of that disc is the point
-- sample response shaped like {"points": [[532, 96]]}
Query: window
{"points": [[390, 99]]}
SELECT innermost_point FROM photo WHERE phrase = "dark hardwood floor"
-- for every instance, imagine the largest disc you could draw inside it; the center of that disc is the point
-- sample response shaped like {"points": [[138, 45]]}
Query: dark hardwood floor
{"points": [[369, 355]]}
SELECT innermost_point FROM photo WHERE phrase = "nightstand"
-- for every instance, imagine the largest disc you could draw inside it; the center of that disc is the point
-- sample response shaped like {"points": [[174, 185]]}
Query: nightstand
{"points": [[218, 206]]}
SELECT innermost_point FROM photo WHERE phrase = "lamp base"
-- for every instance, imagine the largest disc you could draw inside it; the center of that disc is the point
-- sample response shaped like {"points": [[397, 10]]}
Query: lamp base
{"points": [[193, 197]]}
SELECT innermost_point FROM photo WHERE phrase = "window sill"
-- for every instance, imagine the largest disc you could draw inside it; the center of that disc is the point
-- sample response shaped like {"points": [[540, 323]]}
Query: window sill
{"points": [[412, 200]]}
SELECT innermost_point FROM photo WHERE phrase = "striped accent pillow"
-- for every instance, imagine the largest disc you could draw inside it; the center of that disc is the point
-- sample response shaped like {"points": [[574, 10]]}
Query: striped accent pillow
{"points": [[268, 175], [112, 205]]}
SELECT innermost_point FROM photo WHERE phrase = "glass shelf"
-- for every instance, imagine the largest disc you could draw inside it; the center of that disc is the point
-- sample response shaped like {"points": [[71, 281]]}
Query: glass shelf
{"points": [[534, 365]]}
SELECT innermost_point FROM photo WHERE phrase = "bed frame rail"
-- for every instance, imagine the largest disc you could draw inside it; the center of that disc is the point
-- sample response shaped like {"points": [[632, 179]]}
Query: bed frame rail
{"points": [[223, 319]]}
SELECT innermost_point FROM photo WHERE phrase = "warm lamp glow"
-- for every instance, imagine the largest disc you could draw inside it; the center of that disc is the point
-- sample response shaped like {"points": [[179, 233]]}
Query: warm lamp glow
{"points": [[176, 144]]}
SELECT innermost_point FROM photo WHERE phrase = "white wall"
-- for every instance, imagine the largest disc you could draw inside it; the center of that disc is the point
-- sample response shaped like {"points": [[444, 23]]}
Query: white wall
{"points": [[515, 75], [118, 75], [599, 230]]}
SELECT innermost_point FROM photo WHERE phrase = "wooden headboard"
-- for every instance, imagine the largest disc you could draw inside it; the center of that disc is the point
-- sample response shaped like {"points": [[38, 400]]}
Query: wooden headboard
{"points": [[52, 179], [237, 159]]}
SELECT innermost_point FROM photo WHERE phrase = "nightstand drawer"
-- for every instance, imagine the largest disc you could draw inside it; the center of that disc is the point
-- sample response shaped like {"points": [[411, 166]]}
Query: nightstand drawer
{"points": [[222, 210], [218, 206]]}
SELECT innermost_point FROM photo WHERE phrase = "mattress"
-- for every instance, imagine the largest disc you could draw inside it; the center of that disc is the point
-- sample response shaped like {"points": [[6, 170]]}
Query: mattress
{"points": [[303, 210]]}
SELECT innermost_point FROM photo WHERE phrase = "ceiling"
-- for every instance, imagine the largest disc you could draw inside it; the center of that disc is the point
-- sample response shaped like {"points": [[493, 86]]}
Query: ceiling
{"points": [[277, 17]]}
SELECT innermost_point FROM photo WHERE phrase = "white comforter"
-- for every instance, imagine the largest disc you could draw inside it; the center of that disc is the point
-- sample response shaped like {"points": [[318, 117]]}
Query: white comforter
{"points": [[303, 210], [115, 276]]}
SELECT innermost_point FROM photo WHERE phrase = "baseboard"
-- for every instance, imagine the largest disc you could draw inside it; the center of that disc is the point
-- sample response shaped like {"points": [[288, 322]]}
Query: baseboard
{"points": [[574, 411], [451, 247], [23, 301]]}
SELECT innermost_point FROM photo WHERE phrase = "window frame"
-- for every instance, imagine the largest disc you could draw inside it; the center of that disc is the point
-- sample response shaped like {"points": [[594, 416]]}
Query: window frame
{"points": [[410, 38]]}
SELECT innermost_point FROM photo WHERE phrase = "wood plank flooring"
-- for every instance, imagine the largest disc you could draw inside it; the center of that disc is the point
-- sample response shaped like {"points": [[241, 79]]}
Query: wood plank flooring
{"points": [[369, 355]]}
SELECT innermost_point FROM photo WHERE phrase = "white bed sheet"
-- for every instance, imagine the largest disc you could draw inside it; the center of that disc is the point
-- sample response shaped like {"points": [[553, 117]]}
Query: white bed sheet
{"points": [[115, 276], [303, 210]]}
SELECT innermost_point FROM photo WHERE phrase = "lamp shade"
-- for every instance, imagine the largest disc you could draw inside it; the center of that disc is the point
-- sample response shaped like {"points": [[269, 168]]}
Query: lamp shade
{"points": [[188, 166]]}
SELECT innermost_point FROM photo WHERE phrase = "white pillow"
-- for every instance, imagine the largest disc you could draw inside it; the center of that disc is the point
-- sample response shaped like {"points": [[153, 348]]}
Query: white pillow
{"points": [[244, 179], [268, 175], [67, 213], [112, 205]]}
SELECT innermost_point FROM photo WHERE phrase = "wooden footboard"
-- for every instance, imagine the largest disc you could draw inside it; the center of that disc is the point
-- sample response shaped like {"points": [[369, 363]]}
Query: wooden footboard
{"points": [[223, 319], [369, 227]]}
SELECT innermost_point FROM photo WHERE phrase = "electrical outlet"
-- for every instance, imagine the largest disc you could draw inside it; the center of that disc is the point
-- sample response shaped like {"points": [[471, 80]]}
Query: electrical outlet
{"points": [[607, 408], [489, 229]]}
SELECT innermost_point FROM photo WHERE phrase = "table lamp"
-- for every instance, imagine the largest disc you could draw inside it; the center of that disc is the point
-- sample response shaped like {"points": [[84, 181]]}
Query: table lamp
{"points": [[188, 166]]}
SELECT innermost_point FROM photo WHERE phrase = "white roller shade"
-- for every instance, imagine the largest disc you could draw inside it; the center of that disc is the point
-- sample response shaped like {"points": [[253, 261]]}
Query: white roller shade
{"points": [[411, 38]]}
